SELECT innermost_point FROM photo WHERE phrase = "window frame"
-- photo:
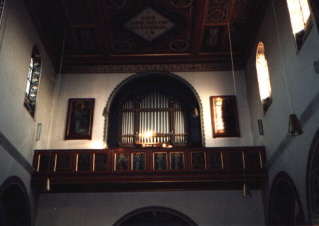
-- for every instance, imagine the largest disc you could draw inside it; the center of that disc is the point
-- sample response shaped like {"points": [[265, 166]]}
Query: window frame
{"points": [[300, 36], [262, 71], [33, 81]]}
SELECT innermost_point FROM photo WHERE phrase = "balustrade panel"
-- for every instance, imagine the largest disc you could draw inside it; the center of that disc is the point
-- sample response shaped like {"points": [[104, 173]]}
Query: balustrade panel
{"points": [[150, 165]]}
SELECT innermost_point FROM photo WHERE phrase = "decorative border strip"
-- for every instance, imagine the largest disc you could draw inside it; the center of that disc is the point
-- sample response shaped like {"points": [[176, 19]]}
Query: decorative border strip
{"points": [[115, 68], [15, 154]]}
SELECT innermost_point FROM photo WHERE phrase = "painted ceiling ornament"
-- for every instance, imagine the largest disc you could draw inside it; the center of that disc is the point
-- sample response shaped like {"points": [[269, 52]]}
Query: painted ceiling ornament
{"points": [[149, 24], [218, 11], [121, 46], [178, 45], [181, 3], [115, 4]]}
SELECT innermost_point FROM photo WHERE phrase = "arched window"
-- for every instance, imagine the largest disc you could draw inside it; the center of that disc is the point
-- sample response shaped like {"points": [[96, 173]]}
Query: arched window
{"points": [[33, 79], [299, 18], [263, 76], [152, 111]]}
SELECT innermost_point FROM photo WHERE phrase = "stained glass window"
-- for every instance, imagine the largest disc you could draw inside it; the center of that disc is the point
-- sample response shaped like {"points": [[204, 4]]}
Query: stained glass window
{"points": [[263, 76], [33, 79], [299, 16]]}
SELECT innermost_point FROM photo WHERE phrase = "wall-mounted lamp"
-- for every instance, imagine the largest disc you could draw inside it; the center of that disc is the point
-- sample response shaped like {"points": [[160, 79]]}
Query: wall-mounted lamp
{"points": [[294, 128], [47, 183], [47, 186], [246, 191], [39, 129], [294, 125], [260, 127]]}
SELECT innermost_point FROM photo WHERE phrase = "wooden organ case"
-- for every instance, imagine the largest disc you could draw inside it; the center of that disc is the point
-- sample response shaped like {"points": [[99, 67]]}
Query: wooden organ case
{"points": [[154, 120]]}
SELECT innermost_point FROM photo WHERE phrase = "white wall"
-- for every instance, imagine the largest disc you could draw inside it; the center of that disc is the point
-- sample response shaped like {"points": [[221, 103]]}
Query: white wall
{"points": [[17, 127], [10, 167], [16, 48], [206, 208], [100, 86], [286, 66]]}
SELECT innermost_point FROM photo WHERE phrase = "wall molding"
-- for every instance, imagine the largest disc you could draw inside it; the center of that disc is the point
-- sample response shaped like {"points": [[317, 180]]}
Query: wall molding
{"points": [[309, 111], [15, 154], [134, 68]]}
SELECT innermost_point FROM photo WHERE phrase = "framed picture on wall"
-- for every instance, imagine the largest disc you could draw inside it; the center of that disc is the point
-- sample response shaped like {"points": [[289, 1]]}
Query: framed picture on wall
{"points": [[79, 119], [224, 116]]}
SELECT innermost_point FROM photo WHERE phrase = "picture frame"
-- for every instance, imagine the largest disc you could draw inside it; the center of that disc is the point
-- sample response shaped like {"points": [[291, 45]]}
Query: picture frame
{"points": [[177, 161], [83, 162], [160, 160], [121, 161], [215, 160], [224, 116], [101, 162], [138, 161], [79, 119], [198, 159], [62, 163]]}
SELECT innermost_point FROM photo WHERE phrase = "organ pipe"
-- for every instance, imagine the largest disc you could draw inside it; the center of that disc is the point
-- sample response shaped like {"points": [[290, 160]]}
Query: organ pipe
{"points": [[153, 121]]}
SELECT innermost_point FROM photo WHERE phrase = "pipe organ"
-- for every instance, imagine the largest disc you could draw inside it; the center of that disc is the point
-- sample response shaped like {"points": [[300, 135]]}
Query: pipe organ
{"points": [[153, 120]]}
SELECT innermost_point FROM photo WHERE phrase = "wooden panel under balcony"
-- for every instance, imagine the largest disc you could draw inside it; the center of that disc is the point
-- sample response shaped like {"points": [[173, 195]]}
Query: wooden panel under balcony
{"points": [[143, 169]]}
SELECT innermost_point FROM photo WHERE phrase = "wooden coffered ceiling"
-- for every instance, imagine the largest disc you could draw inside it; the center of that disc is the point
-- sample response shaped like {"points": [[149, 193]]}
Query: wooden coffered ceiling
{"points": [[139, 35]]}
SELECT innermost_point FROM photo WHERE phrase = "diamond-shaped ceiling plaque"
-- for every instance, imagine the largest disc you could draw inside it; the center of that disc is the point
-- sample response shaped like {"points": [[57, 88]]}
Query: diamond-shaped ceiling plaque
{"points": [[149, 24]]}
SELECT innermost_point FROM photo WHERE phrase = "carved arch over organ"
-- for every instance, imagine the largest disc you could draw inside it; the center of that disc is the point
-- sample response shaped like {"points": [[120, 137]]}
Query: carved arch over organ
{"points": [[153, 109]]}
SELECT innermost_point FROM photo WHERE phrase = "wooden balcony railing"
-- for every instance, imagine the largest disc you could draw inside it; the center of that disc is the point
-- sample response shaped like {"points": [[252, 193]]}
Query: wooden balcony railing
{"points": [[149, 169]]}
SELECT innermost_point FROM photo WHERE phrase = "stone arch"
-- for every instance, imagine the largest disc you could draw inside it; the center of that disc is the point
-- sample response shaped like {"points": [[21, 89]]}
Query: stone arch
{"points": [[165, 75], [14, 203], [284, 203], [313, 180], [155, 215]]}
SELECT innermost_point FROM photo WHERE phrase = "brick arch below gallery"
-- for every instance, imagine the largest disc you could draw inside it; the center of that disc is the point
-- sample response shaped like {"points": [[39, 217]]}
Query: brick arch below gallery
{"points": [[155, 215]]}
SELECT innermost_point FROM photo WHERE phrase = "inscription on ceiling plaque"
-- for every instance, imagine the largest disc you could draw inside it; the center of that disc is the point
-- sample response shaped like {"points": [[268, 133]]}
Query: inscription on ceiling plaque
{"points": [[149, 24]]}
